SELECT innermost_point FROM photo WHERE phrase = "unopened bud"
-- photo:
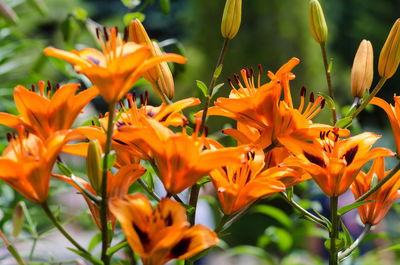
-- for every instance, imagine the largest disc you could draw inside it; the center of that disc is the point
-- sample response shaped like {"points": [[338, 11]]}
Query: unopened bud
{"points": [[18, 219], [231, 18], [362, 72], [390, 54], [93, 169], [319, 30], [165, 80]]}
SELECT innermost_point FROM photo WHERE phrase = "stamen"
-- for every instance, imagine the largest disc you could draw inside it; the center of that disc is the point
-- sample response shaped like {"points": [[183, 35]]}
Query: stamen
{"points": [[312, 97], [230, 83], [206, 130], [303, 92], [41, 88], [58, 86], [237, 80], [105, 33], [93, 123], [9, 137], [142, 102], [259, 74], [98, 33], [33, 88], [49, 88], [126, 34], [130, 102], [100, 115]]}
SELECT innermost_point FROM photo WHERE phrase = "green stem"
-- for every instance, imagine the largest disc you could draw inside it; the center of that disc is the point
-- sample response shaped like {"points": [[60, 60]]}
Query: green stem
{"points": [[57, 224], [307, 214], [220, 227], [104, 199], [211, 86], [194, 196], [274, 144], [333, 252], [373, 93], [35, 239], [12, 249], [152, 194], [356, 242], [380, 184], [328, 78]]}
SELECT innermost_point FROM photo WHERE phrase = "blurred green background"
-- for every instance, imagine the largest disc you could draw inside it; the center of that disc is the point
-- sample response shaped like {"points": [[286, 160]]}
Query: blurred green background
{"points": [[272, 31]]}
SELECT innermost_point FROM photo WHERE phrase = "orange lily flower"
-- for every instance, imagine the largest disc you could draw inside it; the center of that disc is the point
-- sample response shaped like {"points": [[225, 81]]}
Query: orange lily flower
{"points": [[332, 162], [180, 158], [161, 234], [44, 115], [27, 162], [394, 114], [120, 65], [240, 185], [167, 115], [117, 186], [373, 212]]}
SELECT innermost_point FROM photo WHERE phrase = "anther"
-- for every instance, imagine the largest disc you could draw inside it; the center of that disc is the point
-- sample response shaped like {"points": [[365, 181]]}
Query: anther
{"points": [[58, 86], [49, 86], [129, 98], [116, 31], [126, 34], [303, 91], [98, 33], [247, 73], [93, 124], [100, 115], [259, 69], [141, 99], [312, 97], [205, 130], [251, 71], [236, 77], [33, 88], [105, 33], [121, 104], [322, 104], [146, 93], [9, 137], [230, 81]]}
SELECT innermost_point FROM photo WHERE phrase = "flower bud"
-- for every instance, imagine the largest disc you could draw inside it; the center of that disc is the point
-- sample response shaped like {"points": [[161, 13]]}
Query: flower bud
{"points": [[362, 72], [93, 168], [165, 80], [159, 76], [17, 219], [231, 18], [319, 30], [390, 54]]}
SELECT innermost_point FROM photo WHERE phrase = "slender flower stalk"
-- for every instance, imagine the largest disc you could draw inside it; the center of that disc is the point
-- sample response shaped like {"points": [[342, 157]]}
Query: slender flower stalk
{"points": [[328, 79], [12, 249], [54, 220], [356, 242], [333, 235], [104, 202]]}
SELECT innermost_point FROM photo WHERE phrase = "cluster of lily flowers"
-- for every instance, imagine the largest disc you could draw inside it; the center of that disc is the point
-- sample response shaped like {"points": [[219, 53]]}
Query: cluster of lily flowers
{"points": [[278, 145]]}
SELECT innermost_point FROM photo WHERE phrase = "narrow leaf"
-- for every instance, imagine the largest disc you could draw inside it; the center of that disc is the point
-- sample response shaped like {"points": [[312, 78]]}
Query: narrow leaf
{"points": [[111, 158], [203, 88], [64, 169], [216, 89], [87, 257], [329, 101], [218, 71], [344, 123], [352, 206], [275, 213]]}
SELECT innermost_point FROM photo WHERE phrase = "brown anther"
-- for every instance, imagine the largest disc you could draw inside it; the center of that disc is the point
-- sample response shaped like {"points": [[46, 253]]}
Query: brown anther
{"points": [[247, 73], [121, 104], [134, 94], [251, 71], [205, 130], [322, 104], [312, 97], [98, 33], [236, 77], [100, 115], [230, 81], [14, 135], [303, 91], [185, 121], [142, 100], [116, 31], [49, 86], [33, 88], [129, 98], [93, 124], [105, 33], [126, 34], [278, 81], [259, 69], [58, 86], [9, 137], [146, 93]]}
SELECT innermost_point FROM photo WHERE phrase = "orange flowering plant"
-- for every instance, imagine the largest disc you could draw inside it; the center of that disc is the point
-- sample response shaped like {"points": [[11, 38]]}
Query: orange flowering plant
{"points": [[148, 165]]}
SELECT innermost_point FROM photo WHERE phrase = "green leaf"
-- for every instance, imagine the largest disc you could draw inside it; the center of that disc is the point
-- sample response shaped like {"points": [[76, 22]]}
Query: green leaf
{"points": [[352, 206], [328, 100], [280, 237], [216, 89], [96, 239], [132, 16], [325, 219], [348, 240], [131, 4], [218, 71], [374, 181], [117, 247], [150, 181], [87, 257], [64, 169], [40, 6], [344, 122], [339, 243], [165, 6], [248, 250], [111, 158], [290, 192], [366, 95], [203, 88], [204, 180], [31, 225], [275, 213]]}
